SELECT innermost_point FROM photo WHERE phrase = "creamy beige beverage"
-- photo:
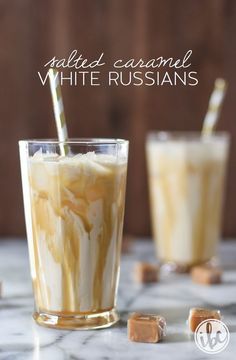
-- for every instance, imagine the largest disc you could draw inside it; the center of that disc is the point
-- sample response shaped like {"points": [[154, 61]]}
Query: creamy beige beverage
{"points": [[186, 181], [74, 211]]}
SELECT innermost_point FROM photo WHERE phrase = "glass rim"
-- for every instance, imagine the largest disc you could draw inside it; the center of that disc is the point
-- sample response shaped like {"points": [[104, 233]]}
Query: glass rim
{"points": [[76, 141], [165, 136]]}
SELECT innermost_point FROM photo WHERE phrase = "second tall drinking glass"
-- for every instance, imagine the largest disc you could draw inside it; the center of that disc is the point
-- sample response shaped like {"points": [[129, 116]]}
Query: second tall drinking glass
{"points": [[186, 179]]}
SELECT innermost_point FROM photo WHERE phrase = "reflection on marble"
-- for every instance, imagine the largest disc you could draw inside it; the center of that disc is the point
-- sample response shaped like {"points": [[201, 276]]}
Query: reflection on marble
{"points": [[172, 297]]}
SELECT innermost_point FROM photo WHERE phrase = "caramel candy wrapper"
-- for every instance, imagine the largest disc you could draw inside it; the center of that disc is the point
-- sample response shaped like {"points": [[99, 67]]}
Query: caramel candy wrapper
{"points": [[146, 273], [147, 328], [197, 315], [206, 275]]}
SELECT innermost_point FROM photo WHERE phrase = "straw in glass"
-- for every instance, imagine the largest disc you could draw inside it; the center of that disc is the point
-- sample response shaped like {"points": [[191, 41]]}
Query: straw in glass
{"points": [[59, 112], [214, 107]]}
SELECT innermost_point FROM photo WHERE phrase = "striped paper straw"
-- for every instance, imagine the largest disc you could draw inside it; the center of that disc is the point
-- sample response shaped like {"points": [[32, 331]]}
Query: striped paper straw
{"points": [[214, 107], [59, 112]]}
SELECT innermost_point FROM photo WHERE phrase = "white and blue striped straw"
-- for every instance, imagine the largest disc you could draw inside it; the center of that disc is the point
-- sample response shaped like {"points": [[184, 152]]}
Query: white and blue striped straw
{"points": [[214, 107], [59, 112]]}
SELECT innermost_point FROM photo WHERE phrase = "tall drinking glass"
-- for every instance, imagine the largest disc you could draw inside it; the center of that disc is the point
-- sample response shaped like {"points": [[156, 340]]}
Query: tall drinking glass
{"points": [[186, 180], [74, 209]]}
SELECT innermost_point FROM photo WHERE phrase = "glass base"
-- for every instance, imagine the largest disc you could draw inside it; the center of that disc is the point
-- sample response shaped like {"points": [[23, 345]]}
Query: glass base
{"points": [[77, 322], [173, 267]]}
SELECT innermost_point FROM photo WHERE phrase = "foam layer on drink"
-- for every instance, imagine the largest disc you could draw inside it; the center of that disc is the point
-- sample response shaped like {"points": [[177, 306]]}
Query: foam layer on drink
{"points": [[186, 188], [77, 208]]}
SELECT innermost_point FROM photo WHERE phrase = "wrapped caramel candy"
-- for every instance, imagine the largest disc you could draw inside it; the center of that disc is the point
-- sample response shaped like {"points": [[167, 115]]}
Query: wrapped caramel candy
{"points": [[147, 328], [197, 315], [146, 273], [205, 274], [126, 244]]}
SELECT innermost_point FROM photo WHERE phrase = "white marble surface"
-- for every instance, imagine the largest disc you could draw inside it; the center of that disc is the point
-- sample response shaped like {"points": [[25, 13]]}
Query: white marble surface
{"points": [[21, 339]]}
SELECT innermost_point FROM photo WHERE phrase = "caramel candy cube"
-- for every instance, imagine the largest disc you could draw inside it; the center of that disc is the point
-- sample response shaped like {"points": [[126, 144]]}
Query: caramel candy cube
{"points": [[207, 275], [126, 244], [197, 315], [146, 273], [146, 328]]}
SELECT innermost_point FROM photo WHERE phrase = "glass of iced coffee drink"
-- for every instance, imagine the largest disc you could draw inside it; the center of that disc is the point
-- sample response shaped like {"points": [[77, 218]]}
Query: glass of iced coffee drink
{"points": [[74, 209], [186, 175]]}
